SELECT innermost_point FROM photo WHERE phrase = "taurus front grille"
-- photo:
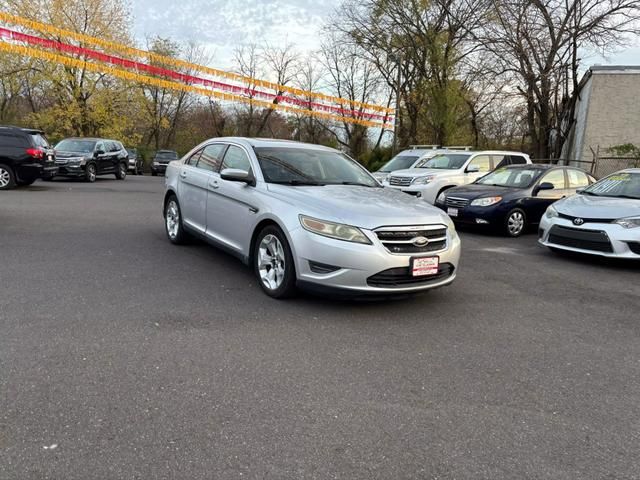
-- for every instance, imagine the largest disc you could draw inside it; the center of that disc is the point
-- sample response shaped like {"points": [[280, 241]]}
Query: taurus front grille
{"points": [[407, 240]]}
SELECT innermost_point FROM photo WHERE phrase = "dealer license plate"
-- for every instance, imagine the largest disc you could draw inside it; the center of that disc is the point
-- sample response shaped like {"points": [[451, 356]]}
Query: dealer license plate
{"points": [[452, 212], [424, 266]]}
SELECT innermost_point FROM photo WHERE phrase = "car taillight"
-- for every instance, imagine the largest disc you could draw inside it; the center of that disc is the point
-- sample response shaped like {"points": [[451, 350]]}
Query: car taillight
{"points": [[35, 153]]}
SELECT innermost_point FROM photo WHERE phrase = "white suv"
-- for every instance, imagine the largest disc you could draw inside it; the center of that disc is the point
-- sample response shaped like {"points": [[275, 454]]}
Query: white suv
{"points": [[411, 157], [430, 177]]}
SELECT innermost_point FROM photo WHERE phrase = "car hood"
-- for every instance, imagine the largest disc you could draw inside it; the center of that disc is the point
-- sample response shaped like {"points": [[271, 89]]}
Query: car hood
{"points": [[587, 206], [476, 191], [419, 172], [359, 206]]}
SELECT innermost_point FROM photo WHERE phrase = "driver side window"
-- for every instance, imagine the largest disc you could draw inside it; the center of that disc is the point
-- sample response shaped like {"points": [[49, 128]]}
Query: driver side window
{"points": [[556, 178], [100, 147], [483, 163], [236, 158]]}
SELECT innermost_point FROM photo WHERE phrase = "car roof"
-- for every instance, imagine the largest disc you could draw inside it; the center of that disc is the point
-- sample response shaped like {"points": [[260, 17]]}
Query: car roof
{"points": [[271, 142], [499, 152], [21, 129]]}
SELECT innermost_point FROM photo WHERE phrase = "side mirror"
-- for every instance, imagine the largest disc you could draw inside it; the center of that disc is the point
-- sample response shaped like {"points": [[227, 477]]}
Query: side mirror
{"points": [[473, 169], [237, 175], [580, 190], [99, 152], [543, 186]]}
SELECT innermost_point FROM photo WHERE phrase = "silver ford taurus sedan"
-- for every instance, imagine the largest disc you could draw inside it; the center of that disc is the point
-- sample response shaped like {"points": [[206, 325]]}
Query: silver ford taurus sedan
{"points": [[308, 216]]}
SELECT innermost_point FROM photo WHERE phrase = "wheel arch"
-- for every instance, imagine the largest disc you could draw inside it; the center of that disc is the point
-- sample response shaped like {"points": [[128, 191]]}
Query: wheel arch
{"points": [[258, 228]]}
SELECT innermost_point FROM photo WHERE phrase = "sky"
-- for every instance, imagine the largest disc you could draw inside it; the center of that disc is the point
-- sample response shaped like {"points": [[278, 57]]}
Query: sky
{"points": [[223, 25]]}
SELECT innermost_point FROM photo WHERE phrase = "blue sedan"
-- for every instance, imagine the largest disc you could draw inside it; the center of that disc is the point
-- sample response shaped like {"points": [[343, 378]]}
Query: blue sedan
{"points": [[512, 198]]}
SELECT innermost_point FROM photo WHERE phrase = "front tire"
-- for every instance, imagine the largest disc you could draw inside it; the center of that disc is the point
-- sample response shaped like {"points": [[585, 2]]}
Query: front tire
{"points": [[121, 173], [173, 222], [90, 172], [7, 177], [515, 223], [273, 263]]}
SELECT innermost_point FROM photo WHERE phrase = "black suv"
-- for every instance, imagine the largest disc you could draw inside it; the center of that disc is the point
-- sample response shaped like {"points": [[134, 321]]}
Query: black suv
{"points": [[25, 155], [88, 157], [161, 160]]}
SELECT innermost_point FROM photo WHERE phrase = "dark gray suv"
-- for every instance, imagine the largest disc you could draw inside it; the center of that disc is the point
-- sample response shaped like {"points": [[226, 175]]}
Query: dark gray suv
{"points": [[89, 157]]}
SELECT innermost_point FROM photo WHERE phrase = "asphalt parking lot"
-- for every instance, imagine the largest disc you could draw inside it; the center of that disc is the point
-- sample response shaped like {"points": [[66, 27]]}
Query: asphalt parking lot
{"points": [[125, 357]]}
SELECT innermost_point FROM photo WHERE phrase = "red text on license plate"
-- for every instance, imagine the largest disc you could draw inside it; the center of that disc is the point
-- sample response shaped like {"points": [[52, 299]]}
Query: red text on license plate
{"points": [[425, 266]]}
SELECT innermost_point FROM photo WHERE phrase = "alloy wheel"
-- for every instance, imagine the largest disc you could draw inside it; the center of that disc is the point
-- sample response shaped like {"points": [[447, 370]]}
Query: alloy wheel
{"points": [[271, 262], [173, 219], [91, 172], [515, 223], [5, 178]]}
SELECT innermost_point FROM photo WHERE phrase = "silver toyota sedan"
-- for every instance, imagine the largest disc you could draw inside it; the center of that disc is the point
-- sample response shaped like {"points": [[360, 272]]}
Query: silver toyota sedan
{"points": [[308, 216]]}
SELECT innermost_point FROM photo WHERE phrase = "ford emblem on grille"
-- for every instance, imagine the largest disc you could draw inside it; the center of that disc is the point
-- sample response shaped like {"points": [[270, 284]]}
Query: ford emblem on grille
{"points": [[578, 221], [420, 241]]}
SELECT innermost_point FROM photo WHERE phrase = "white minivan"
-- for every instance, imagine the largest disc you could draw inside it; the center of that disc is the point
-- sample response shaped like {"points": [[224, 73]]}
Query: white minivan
{"points": [[431, 176]]}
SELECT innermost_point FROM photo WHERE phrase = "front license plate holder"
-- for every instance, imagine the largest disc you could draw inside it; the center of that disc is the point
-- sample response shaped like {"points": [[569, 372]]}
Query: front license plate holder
{"points": [[424, 266], [452, 212]]}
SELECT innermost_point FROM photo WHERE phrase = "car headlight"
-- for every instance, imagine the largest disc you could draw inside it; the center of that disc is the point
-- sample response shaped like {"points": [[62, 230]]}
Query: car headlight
{"points": [[423, 180], [485, 202], [442, 198], [156, 163], [334, 230], [629, 222], [551, 212]]}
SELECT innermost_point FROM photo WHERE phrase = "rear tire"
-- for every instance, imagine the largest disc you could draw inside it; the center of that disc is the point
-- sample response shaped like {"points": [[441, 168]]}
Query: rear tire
{"points": [[273, 263], [121, 172], [90, 172], [7, 177]]}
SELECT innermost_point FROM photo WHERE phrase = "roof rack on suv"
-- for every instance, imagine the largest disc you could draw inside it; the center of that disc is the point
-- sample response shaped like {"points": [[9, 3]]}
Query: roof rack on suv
{"points": [[424, 147], [464, 148]]}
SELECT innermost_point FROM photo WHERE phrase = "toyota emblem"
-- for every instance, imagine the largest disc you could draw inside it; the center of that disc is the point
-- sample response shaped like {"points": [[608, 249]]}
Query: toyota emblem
{"points": [[420, 241], [578, 221]]}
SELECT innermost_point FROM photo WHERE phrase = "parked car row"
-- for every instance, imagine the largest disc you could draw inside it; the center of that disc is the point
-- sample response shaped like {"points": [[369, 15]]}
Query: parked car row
{"points": [[26, 155]]}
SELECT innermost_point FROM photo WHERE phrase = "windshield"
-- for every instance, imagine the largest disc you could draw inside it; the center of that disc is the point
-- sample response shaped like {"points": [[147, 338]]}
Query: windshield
{"points": [[302, 166], [132, 151], [445, 162], [399, 162], [169, 155], [511, 177], [622, 185], [72, 145]]}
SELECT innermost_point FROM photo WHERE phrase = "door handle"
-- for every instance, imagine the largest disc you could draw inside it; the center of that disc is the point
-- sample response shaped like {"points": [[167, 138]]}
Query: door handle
{"points": [[183, 174], [214, 184]]}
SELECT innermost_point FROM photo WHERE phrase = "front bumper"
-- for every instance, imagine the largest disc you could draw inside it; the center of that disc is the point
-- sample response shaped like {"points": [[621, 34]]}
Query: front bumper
{"points": [[160, 168], [368, 269], [601, 239], [70, 170], [470, 215]]}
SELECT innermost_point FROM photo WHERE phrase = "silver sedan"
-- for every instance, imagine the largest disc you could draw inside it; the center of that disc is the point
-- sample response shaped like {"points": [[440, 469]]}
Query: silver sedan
{"points": [[308, 216], [603, 219]]}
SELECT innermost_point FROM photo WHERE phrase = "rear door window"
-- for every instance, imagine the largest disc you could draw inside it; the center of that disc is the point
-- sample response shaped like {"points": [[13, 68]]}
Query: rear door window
{"points": [[500, 161], [16, 141], [193, 159], [577, 179]]}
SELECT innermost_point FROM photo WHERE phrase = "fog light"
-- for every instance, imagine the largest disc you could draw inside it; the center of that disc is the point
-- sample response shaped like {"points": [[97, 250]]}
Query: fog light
{"points": [[481, 221]]}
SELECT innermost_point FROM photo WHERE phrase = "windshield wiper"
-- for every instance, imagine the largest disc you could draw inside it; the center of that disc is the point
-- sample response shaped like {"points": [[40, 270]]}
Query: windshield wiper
{"points": [[585, 192], [298, 183], [631, 197]]}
